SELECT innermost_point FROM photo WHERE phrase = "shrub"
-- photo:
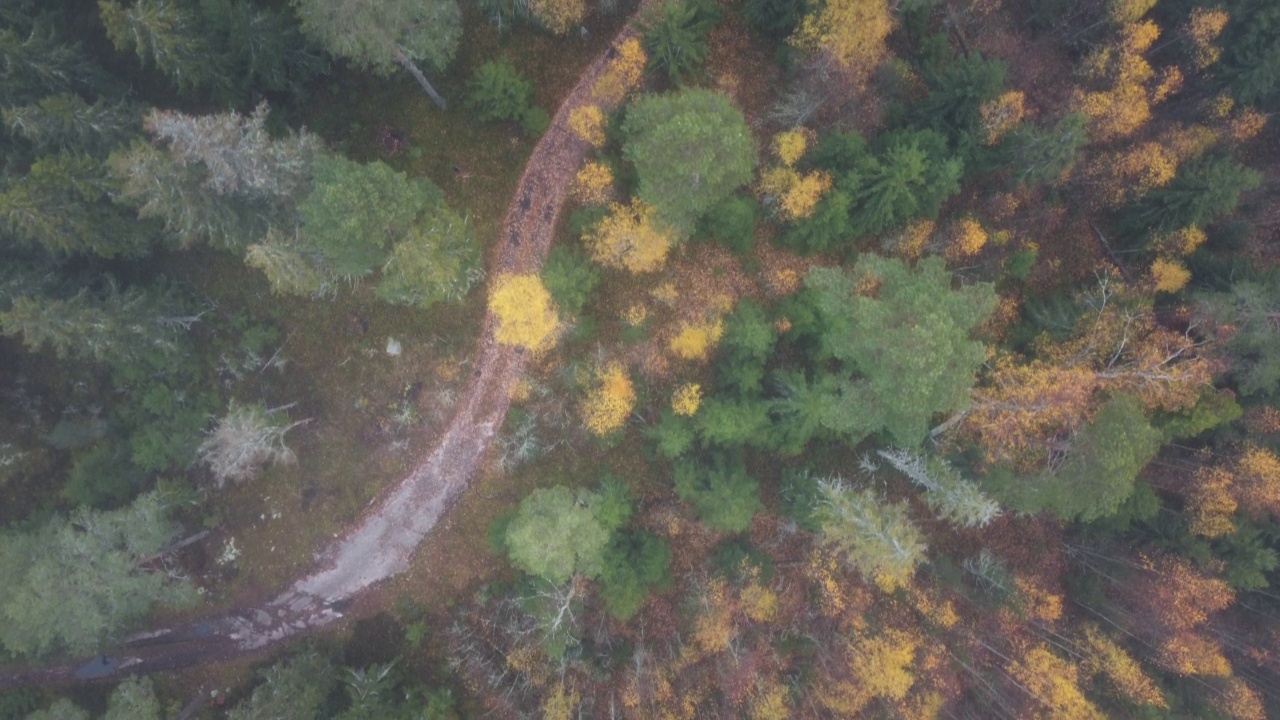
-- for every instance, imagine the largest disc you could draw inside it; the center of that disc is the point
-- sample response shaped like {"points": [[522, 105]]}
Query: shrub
{"points": [[498, 92]]}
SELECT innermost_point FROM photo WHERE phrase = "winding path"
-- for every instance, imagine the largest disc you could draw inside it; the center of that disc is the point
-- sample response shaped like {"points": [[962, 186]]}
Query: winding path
{"points": [[385, 537]]}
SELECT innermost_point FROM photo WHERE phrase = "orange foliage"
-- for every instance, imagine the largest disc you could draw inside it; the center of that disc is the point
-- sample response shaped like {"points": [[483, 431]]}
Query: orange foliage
{"points": [[1210, 503], [1203, 27], [1178, 596], [630, 237], [609, 403], [910, 243], [967, 239], [1000, 115], [1187, 653], [1258, 482], [1246, 125], [1026, 404], [1240, 701]]}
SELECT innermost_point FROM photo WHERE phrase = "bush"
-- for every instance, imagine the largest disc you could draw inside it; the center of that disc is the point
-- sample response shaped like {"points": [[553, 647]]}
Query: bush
{"points": [[498, 92], [534, 121]]}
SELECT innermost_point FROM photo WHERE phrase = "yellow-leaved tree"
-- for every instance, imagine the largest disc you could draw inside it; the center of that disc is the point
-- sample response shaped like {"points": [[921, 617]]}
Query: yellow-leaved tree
{"points": [[558, 16], [1054, 685], [610, 400], [587, 122], [593, 184], [852, 32], [623, 73], [630, 237], [696, 339], [880, 666], [524, 310], [686, 399]]}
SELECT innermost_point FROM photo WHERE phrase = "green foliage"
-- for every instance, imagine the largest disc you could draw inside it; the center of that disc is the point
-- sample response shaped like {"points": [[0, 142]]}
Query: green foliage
{"points": [[1041, 155], [674, 36], [1250, 64], [1098, 472], [876, 538], [1213, 409], [733, 222], [905, 350], [774, 18], [612, 504], [103, 477], [355, 212], [294, 689], [748, 342], [497, 91], [570, 277], [908, 178], [673, 435], [68, 122], [828, 228], [557, 534], [957, 88], [73, 584], [732, 422], [691, 149], [134, 699], [39, 63], [534, 121], [1244, 319], [167, 34], [1205, 189], [800, 496], [721, 492], [376, 34], [737, 559], [634, 563], [438, 260], [62, 709]]}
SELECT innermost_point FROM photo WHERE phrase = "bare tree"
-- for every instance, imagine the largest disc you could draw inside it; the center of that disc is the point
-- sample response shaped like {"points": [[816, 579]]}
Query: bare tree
{"points": [[247, 438]]}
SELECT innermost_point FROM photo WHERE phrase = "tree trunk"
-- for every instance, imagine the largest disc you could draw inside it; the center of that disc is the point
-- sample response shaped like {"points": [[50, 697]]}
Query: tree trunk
{"points": [[407, 63]]}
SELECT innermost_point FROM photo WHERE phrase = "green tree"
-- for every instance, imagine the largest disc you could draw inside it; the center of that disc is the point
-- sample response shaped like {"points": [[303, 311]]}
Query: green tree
{"points": [[570, 277], [438, 260], [167, 34], [732, 422], [381, 34], [908, 178], [749, 338], [1243, 319], [293, 689], [674, 36], [134, 699], [958, 86], [1205, 189], [904, 350], [724, 496], [115, 326], [356, 212], [497, 91], [635, 562], [557, 534], [68, 122], [1042, 155], [75, 583], [38, 63], [62, 709], [691, 149], [876, 538]]}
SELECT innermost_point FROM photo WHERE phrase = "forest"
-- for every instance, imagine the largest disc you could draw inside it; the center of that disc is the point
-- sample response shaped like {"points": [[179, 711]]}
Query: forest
{"points": [[751, 359]]}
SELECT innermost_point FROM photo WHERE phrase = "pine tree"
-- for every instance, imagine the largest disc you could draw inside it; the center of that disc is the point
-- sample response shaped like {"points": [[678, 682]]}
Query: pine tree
{"points": [[115, 326], [68, 122], [876, 538], [168, 34]]}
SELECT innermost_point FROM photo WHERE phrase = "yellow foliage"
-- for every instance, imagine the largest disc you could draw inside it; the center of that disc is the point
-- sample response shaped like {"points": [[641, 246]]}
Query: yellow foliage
{"points": [[635, 315], [526, 316], [623, 73], [520, 390], [1115, 113], [1128, 175], [802, 197], [1000, 115], [665, 293], [1204, 26], [630, 237], [1122, 670], [1220, 105], [1039, 603], [1053, 682], [593, 184], [558, 16], [559, 703], [967, 239], [1169, 83], [1246, 125], [1138, 37], [910, 243], [790, 145], [1210, 503], [1240, 701], [1192, 654], [769, 703], [1181, 242], [695, 340], [686, 399], [776, 181], [1170, 275], [823, 569], [853, 32], [1258, 474], [1127, 11], [714, 628], [759, 603], [609, 403], [587, 122]]}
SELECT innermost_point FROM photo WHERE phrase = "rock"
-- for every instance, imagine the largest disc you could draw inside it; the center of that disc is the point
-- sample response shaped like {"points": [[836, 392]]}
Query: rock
{"points": [[393, 347]]}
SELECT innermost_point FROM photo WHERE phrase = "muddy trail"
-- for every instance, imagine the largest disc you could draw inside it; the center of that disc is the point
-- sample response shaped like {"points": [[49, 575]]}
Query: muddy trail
{"points": [[382, 541]]}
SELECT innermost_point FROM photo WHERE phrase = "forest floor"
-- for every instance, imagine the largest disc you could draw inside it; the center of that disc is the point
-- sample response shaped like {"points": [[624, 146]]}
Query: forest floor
{"points": [[380, 544]]}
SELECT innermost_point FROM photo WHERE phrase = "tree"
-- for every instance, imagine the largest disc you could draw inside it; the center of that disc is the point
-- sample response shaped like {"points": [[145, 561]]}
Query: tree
{"points": [[724, 496], [380, 34], [557, 534], [948, 494], [905, 349], [355, 213], [853, 32], [1243, 321], [293, 689], [1204, 190], [167, 34], [133, 699], [569, 277], [609, 402], [908, 178], [245, 439], [634, 562], [558, 16], [526, 316], [1043, 155], [876, 538], [632, 237], [691, 149], [62, 709], [75, 583], [1053, 684], [438, 260], [68, 122], [498, 92], [674, 36]]}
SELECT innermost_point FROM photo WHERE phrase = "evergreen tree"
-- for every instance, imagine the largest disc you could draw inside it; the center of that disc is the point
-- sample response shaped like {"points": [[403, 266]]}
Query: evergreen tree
{"points": [[68, 122], [675, 36], [1204, 190], [908, 178], [293, 689], [691, 149], [876, 538], [38, 63], [635, 562], [724, 496], [437, 261], [167, 34], [1244, 317], [380, 34]]}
